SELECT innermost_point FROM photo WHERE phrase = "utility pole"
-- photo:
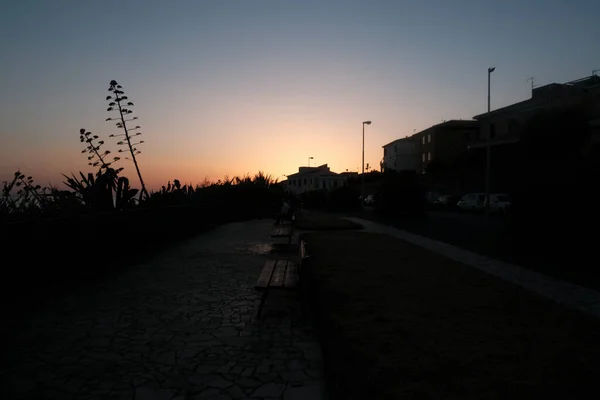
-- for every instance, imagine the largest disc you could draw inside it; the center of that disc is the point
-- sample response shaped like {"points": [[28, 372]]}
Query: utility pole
{"points": [[488, 147], [532, 79], [362, 183]]}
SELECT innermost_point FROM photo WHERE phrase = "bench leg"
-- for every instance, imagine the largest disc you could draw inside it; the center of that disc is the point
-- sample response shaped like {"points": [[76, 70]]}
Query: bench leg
{"points": [[262, 301]]}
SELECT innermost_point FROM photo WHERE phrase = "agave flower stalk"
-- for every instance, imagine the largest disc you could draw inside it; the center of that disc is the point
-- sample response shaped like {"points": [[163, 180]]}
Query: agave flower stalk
{"points": [[119, 102], [96, 158]]}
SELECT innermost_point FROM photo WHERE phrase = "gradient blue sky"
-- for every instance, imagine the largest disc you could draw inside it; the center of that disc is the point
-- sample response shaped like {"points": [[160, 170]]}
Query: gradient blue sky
{"points": [[231, 87]]}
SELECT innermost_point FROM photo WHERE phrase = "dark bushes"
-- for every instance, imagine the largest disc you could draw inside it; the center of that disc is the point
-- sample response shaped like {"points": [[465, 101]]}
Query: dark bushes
{"points": [[344, 198], [554, 204], [400, 194], [314, 200]]}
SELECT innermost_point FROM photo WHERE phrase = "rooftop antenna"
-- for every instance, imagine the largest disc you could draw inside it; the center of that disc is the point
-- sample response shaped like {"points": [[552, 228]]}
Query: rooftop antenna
{"points": [[532, 79], [595, 71]]}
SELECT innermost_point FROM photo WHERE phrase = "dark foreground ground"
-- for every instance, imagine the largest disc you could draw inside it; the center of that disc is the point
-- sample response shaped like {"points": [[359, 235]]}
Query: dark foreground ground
{"points": [[399, 322], [179, 325], [491, 237]]}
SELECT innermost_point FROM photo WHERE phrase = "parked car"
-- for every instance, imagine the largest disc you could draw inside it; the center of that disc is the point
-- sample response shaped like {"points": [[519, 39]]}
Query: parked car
{"points": [[500, 203], [472, 202], [431, 197], [447, 201], [370, 200]]}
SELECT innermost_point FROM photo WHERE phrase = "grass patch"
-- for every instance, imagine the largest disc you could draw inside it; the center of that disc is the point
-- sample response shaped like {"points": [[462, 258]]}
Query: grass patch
{"points": [[320, 221], [397, 321]]}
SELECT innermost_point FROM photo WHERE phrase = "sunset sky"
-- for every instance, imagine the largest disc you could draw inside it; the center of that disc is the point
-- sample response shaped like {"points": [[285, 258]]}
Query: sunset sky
{"points": [[234, 87]]}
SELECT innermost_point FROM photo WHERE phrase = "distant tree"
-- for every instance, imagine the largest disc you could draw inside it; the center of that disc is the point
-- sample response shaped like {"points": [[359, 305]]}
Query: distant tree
{"points": [[119, 102]]}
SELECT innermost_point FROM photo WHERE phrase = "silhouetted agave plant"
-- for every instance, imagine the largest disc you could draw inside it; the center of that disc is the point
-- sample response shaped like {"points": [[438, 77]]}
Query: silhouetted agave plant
{"points": [[96, 158], [119, 102]]}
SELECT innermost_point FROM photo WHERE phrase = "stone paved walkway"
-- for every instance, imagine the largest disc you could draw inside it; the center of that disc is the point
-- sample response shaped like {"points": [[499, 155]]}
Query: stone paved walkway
{"points": [[575, 296], [182, 326]]}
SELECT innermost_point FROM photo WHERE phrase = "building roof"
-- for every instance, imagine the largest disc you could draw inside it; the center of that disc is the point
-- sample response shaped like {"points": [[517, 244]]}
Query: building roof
{"points": [[520, 106], [445, 124], [321, 170], [544, 95], [399, 140]]}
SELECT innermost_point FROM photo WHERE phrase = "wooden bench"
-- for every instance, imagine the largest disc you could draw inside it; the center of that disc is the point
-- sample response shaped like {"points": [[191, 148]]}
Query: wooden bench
{"points": [[284, 230], [280, 274]]}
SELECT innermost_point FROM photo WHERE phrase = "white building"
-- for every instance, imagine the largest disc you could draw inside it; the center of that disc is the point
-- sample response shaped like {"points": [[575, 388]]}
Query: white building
{"points": [[313, 178], [401, 155]]}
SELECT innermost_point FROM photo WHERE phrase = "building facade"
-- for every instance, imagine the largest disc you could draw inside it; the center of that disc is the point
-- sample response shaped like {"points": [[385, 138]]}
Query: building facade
{"points": [[401, 155], [313, 178], [505, 125], [444, 142]]}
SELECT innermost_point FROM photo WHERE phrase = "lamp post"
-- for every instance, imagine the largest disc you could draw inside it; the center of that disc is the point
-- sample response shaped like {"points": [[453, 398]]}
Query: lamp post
{"points": [[309, 158], [488, 151], [362, 183]]}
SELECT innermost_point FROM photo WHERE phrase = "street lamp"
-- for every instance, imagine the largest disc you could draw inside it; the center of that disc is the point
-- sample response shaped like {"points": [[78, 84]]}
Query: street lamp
{"points": [[488, 150], [310, 158], [362, 183]]}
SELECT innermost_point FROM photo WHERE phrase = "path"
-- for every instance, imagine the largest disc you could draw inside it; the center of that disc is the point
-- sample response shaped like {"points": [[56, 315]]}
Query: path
{"points": [[182, 326], [578, 297]]}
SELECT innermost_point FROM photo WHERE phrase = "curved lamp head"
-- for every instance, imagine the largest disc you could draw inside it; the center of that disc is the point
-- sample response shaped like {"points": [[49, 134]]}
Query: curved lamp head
{"points": [[367, 122]]}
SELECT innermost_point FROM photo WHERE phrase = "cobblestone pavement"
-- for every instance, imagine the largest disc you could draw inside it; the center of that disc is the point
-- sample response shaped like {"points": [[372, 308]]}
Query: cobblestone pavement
{"points": [[182, 326], [575, 296]]}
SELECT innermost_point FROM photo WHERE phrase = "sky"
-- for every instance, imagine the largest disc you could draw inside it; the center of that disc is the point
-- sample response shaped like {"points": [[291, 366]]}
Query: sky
{"points": [[234, 87]]}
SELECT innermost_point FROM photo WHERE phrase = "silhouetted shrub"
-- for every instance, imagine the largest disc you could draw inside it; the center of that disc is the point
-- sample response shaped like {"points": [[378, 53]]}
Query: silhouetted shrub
{"points": [[314, 200], [554, 207], [400, 194], [343, 198]]}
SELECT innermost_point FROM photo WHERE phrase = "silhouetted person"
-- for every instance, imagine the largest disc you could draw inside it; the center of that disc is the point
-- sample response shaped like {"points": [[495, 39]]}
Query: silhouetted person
{"points": [[284, 211]]}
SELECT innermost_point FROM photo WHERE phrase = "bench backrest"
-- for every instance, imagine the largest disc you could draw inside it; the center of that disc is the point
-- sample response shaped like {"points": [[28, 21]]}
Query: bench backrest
{"points": [[303, 255]]}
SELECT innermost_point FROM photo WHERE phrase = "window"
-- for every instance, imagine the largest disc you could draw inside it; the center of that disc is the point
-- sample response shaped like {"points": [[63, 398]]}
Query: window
{"points": [[429, 138], [429, 156], [395, 148], [384, 151], [423, 156], [423, 140], [305, 181], [492, 131], [334, 183]]}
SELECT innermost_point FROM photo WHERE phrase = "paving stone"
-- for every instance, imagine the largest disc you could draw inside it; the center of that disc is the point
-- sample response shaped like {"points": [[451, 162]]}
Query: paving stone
{"points": [[269, 390], [248, 382], [170, 322], [211, 380], [206, 368], [263, 369], [296, 364], [315, 391], [236, 392], [206, 394], [295, 376], [74, 384], [149, 393], [236, 370]]}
